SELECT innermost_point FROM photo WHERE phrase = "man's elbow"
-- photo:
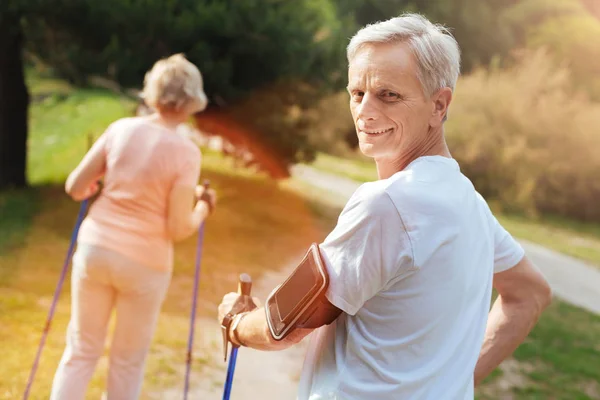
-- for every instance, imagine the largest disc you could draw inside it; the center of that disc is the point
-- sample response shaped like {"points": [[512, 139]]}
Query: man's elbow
{"points": [[292, 339], [544, 294], [537, 299]]}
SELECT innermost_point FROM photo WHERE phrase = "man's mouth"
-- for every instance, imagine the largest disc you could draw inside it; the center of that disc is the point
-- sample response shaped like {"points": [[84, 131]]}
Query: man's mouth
{"points": [[376, 132]]}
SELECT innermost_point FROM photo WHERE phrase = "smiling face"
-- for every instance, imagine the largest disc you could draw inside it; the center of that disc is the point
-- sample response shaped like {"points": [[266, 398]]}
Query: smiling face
{"points": [[391, 113]]}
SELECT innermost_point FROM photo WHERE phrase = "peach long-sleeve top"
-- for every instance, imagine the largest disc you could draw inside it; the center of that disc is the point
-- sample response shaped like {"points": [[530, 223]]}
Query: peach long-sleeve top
{"points": [[143, 162]]}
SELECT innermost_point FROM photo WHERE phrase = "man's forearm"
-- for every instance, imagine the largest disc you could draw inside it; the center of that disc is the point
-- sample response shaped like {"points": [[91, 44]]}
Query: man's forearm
{"points": [[508, 325], [253, 331]]}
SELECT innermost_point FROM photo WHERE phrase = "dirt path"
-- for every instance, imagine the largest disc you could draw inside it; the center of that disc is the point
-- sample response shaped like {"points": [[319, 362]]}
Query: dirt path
{"points": [[258, 374], [571, 279]]}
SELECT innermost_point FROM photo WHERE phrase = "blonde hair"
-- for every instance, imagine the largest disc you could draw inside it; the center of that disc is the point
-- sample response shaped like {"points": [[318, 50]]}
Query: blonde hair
{"points": [[174, 85]]}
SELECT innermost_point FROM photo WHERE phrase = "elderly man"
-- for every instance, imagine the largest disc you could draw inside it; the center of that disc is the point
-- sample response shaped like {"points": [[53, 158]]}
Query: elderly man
{"points": [[412, 261]]}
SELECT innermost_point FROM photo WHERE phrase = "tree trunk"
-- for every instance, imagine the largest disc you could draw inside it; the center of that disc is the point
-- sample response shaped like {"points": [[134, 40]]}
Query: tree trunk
{"points": [[14, 103]]}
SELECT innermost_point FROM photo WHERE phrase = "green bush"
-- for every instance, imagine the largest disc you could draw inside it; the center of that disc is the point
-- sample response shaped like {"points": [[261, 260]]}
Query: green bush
{"points": [[527, 140], [569, 32]]}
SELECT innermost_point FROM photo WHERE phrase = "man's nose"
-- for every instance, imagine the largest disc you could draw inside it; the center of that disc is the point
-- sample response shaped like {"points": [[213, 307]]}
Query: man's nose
{"points": [[368, 109]]}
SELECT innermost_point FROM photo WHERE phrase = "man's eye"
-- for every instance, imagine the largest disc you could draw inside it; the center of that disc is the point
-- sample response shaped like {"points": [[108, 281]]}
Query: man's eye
{"points": [[356, 96], [391, 95]]}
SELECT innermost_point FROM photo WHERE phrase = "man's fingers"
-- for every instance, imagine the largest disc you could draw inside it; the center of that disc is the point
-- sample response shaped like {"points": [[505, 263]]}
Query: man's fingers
{"points": [[230, 297], [229, 300]]}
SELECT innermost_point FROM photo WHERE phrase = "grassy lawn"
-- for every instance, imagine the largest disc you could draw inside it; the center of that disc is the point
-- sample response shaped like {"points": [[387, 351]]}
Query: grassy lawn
{"points": [[258, 227], [61, 122], [361, 169]]}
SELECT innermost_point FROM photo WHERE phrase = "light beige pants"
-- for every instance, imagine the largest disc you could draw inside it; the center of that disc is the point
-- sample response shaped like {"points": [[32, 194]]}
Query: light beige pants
{"points": [[103, 280]]}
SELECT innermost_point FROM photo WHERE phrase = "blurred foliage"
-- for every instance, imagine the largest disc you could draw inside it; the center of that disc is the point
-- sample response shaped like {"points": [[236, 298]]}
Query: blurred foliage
{"points": [[476, 25], [278, 66], [245, 49], [568, 30], [527, 139], [239, 45]]}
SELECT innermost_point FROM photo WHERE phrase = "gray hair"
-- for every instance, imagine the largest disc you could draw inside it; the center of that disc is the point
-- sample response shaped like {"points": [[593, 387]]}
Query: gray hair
{"points": [[434, 47]]}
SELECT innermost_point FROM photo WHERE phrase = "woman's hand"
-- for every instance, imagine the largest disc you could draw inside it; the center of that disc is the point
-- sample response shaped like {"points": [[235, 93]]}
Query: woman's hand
{"points": [[207, 195], [87, 193]]}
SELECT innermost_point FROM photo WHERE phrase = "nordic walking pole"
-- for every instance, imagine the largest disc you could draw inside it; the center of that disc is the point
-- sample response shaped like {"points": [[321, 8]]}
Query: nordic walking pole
{"points": [[63, 274], [188, 360], [244, 289]]}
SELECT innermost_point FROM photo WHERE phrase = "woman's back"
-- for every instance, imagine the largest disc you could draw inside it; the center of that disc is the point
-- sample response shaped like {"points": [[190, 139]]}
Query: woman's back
{"points": [[144, 161]]}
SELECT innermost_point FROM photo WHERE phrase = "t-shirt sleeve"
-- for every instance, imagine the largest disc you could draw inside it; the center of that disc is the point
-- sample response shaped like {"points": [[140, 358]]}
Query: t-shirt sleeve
{"points": [[99, 149], [507, 251], [103, 143], [189, 167], [367, 251]]}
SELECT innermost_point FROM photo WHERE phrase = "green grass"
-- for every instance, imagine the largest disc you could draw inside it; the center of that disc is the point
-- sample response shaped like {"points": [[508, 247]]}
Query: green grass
{"points": [[565, 354], [559, 359], [62, 120], [359, 168], [577, 239]]}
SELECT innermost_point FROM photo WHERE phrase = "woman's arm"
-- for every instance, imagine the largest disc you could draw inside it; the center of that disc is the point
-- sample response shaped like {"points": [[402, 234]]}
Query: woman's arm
{"points": [[82, 183], [184, 217]]}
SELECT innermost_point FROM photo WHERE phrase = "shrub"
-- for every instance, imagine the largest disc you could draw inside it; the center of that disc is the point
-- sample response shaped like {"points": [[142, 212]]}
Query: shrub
{"points": [[527, 140]]}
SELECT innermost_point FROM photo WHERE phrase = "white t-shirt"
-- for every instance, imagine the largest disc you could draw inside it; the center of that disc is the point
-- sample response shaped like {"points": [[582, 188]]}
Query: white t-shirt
{"points": [[411, 263]]}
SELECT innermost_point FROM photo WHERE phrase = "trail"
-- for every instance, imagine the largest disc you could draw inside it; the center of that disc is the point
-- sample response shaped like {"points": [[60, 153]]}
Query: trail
{"points": [[259, 374]]}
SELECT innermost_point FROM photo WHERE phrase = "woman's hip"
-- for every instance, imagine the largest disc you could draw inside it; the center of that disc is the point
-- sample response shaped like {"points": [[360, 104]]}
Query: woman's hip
{"points": [[119, 270]]}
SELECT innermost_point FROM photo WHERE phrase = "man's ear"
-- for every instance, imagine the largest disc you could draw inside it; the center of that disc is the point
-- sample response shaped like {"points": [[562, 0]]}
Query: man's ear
{"points": [[441, 101]]}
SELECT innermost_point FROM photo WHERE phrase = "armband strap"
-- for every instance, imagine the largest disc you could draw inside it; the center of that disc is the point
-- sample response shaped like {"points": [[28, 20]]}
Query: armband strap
{"points": [[300, 302]]}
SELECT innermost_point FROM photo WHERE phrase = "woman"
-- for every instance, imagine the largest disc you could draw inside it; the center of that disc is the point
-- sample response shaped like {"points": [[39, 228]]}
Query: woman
{"points": [[124, 255]]}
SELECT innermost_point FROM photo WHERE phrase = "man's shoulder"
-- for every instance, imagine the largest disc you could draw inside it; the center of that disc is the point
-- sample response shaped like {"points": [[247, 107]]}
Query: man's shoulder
{"points": [[371, 198]]}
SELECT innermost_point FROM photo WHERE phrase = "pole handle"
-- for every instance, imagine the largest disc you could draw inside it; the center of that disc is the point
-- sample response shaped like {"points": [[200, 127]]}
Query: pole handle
{"points": [[245, 285]]}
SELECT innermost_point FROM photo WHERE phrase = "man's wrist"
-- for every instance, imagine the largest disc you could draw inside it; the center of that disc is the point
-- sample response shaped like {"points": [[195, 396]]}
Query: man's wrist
{"points": [[234, 336]]}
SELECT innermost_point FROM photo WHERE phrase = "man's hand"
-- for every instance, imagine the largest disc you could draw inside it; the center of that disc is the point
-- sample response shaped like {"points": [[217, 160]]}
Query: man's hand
{"points": [[523, 294], [227, 304]]}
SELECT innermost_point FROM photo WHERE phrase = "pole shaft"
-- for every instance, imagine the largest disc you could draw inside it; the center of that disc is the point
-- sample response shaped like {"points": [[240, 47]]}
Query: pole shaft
{"points": [[57, 291]]}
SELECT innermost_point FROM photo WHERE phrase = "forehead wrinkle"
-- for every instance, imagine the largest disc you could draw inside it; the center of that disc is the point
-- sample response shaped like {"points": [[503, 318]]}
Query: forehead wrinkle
{"points": [[380, 66]]}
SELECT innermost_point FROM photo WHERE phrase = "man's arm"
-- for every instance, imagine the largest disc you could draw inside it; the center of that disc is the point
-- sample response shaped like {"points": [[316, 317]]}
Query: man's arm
{"points": [[523, 294], [253, 330]]}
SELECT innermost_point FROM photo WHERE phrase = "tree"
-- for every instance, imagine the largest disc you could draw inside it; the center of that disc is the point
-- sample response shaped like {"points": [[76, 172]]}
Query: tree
{"points": [[14, 101], [475, 24], [240, 46]]}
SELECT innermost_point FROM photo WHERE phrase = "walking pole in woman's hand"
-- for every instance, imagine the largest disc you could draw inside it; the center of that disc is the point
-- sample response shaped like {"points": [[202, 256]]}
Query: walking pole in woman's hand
{"points": [[243, 304], [82, 209], [194, 300]]}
